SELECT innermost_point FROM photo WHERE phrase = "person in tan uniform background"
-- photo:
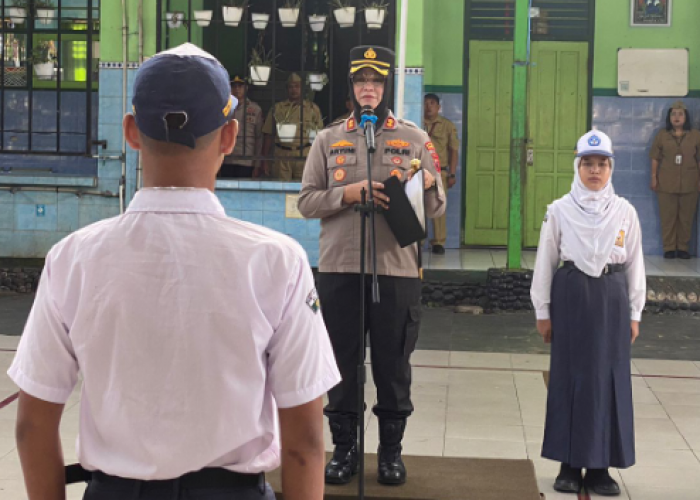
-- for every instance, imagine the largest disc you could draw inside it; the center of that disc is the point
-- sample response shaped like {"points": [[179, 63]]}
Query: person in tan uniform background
{"points": [[335, 174], [676, 180], [249, 140], [290, 111], [443, 133]]}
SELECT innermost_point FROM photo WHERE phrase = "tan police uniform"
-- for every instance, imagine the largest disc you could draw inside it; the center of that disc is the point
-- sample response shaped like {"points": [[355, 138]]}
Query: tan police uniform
{"points": [[443, 133], [249, 140], [291, 112], [678, 178]]}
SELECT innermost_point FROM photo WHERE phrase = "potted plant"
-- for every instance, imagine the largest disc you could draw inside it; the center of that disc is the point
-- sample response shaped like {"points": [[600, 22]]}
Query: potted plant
{"points": [[233, 12], [18, 13], [317, 22], [317, 80], [45, 11], [203, 17], [260, 20], [175, 19], [289, 13], [375, 11], [286, 127], [261, 63], [344, 12], [43, 60]]}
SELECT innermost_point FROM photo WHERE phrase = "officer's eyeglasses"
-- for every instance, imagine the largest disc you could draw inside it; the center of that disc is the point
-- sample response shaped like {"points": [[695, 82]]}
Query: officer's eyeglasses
{"points": [[361, 81]]}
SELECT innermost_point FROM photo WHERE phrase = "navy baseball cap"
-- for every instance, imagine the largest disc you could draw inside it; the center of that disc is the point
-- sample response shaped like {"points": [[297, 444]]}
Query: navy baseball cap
{"points": [[182, 94]]}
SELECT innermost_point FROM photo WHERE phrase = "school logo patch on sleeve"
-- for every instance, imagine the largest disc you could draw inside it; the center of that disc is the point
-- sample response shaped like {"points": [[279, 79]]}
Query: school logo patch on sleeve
{"points": [[312, 301], [430, 146], [620, 240]]}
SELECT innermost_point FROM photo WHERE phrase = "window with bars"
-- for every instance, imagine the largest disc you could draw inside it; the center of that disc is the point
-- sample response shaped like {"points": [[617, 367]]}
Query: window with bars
{"points": [[313, 44], [49, 65], [554, 20]]}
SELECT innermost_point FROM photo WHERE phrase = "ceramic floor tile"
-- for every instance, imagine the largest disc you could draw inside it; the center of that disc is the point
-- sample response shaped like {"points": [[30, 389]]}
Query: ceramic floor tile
{"points": [[9, 341], [500, 258], [484, 416], [644, 395], [431, 375], [686, 386], [652, 269], [674, 398], [430, 358], [650, 477], [513, 433], [480, 360], [682, 412], [678, 459], [665, 493], [458, 447], [667, 368], [534, 433], [649, 411], [538, 362]]}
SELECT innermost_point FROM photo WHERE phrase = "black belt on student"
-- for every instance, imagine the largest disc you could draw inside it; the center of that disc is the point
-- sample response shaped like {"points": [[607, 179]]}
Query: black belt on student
{"points": [[608, 269], [289, 148], [205, 478]]}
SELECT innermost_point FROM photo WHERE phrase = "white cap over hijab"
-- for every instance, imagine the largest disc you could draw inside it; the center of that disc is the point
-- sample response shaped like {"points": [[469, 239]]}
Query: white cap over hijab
{"points": [[594, 217]]}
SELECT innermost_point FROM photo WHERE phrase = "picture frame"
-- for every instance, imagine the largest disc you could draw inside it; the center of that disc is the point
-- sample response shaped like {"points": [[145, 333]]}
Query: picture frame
{"points": [[650, 13]]}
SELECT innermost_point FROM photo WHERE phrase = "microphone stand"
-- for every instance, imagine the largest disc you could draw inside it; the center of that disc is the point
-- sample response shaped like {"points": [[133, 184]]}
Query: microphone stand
{"points": [[367, 209]]}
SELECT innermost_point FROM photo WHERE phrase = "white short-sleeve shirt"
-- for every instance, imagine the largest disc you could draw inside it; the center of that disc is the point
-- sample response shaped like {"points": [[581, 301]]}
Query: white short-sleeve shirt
{"points": [[189, 328]]}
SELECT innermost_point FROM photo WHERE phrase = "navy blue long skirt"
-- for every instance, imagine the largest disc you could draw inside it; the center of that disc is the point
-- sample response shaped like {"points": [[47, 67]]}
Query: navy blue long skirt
{"points": [[590, 420]]}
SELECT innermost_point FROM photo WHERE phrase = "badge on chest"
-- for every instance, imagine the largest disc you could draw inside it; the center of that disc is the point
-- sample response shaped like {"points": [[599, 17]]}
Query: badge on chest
{"points": [[620, 240]]}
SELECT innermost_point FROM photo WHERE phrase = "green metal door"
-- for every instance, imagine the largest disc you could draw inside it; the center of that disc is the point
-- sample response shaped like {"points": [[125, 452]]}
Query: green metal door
{"points": [[488, 150], [556, 118]]}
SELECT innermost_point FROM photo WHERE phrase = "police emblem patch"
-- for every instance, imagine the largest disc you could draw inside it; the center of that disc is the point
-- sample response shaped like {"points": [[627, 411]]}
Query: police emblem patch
{"points": [[396, 173], [594, 140], [396, 160], [312, 301], [340, 160], [339, 175]]}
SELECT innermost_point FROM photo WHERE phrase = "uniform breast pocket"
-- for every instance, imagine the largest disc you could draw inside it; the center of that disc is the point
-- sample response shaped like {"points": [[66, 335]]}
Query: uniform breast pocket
{"points": [[395, 165], [342, 170], [620, 247]]}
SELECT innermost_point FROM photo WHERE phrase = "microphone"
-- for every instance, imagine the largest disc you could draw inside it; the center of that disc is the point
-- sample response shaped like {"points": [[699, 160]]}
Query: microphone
{"points": [[368, 121]]}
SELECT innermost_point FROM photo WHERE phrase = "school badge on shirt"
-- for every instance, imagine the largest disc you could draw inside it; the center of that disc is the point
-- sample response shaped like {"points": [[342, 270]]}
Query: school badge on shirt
{"points": [[312, 301], [620, 240]]}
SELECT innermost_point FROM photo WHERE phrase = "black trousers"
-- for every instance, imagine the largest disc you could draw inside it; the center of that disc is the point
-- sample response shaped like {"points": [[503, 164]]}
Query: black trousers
{"points": [[393, 326]]}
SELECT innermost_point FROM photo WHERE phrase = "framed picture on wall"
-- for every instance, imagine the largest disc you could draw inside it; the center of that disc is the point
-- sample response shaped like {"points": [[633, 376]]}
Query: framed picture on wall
{"points": [[650, 13]]}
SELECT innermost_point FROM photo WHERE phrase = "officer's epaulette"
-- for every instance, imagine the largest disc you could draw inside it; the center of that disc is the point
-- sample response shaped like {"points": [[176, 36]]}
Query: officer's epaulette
{"points": [[408, 123], [335, 123]]}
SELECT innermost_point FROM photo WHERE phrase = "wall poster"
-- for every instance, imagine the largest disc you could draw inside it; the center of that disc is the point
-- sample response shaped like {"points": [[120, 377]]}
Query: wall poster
{"points": [[651, 13]]}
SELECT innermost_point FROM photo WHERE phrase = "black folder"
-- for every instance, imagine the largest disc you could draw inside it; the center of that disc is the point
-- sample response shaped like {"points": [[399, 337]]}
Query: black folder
{"points": [[400, 216]]}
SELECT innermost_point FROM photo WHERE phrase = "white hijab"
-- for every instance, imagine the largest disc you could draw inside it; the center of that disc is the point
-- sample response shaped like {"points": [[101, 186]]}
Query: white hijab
{"points": [[594, 219]]}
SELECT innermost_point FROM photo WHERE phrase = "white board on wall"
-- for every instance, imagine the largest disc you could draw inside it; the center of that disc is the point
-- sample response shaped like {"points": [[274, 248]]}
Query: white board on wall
{"points": [[652, 72]]}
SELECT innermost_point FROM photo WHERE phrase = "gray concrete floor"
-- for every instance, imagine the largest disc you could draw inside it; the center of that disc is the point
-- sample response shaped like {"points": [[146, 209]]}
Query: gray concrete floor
{"points": [[672, 337]]}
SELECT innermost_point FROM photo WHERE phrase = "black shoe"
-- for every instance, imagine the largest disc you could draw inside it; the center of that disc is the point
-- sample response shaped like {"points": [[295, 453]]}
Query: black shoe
{"points": [[391, 469], [344, 464], [569, 480], [599, 482], [671, 254], [438, 250], [682, 254]]}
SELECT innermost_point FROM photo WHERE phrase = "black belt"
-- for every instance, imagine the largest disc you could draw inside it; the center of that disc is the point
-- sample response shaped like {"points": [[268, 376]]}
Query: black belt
{"points": [[205, 478], [289, 148], [608, 269]]}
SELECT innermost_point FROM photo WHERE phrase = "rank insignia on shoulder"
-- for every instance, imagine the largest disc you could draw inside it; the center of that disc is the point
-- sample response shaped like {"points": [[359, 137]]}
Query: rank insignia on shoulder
{"points": [[620, 240], [350, 125], [398, 143], [312, 301], [342, 144], [390, 123]]}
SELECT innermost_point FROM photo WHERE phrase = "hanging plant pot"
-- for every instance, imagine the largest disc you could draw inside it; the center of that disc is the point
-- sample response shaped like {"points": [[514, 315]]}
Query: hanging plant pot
{"points": [[203, 17], [316, 81], [260, 75], [45, 16], [260, 20], [374, 18], [18, 15], [317, 23], [175, 19], [312, 135], [288, 17], [44, 71], [287, 132], [345, 16], [232, 15]]}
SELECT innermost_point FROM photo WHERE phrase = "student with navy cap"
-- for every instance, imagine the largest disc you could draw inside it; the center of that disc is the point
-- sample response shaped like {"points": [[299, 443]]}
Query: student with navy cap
{"points": [[590, 309], [202, 349]]}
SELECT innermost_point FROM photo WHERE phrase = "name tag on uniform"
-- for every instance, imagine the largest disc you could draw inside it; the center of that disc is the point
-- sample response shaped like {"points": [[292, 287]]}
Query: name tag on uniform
{"points": [[679, 159]]}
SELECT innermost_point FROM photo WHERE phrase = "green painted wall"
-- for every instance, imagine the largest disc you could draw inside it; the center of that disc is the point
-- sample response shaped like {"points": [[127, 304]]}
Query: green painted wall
{"points": [[415, 38], [613, 32], [443, 36]]}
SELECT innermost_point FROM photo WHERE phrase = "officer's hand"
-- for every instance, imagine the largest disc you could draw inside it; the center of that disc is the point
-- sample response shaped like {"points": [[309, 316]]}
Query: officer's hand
{"points": [[352, 193], [635, 330], [654, 183], [451, 181], [544, 326]]}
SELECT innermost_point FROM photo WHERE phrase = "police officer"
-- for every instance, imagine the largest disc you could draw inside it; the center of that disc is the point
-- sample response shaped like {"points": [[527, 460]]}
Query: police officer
{"points": [[249, 141], [590, 309], [189, 357], [675, 157], [443, 133], [290, 111], [335, 175]]}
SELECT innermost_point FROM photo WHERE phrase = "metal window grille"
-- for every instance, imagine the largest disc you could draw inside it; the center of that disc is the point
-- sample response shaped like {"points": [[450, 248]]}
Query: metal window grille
{"points": [[297, 49], [49, 72]]}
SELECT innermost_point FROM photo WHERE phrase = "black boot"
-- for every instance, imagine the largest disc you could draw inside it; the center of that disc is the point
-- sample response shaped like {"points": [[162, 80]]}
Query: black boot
{"points": [[599, 482], [391, 468], [344, 463], [568, 480]]}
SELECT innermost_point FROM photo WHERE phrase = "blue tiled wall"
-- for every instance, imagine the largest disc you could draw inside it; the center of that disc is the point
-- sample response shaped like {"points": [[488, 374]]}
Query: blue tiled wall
{"points": [[632, 124], [413, 95]]}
